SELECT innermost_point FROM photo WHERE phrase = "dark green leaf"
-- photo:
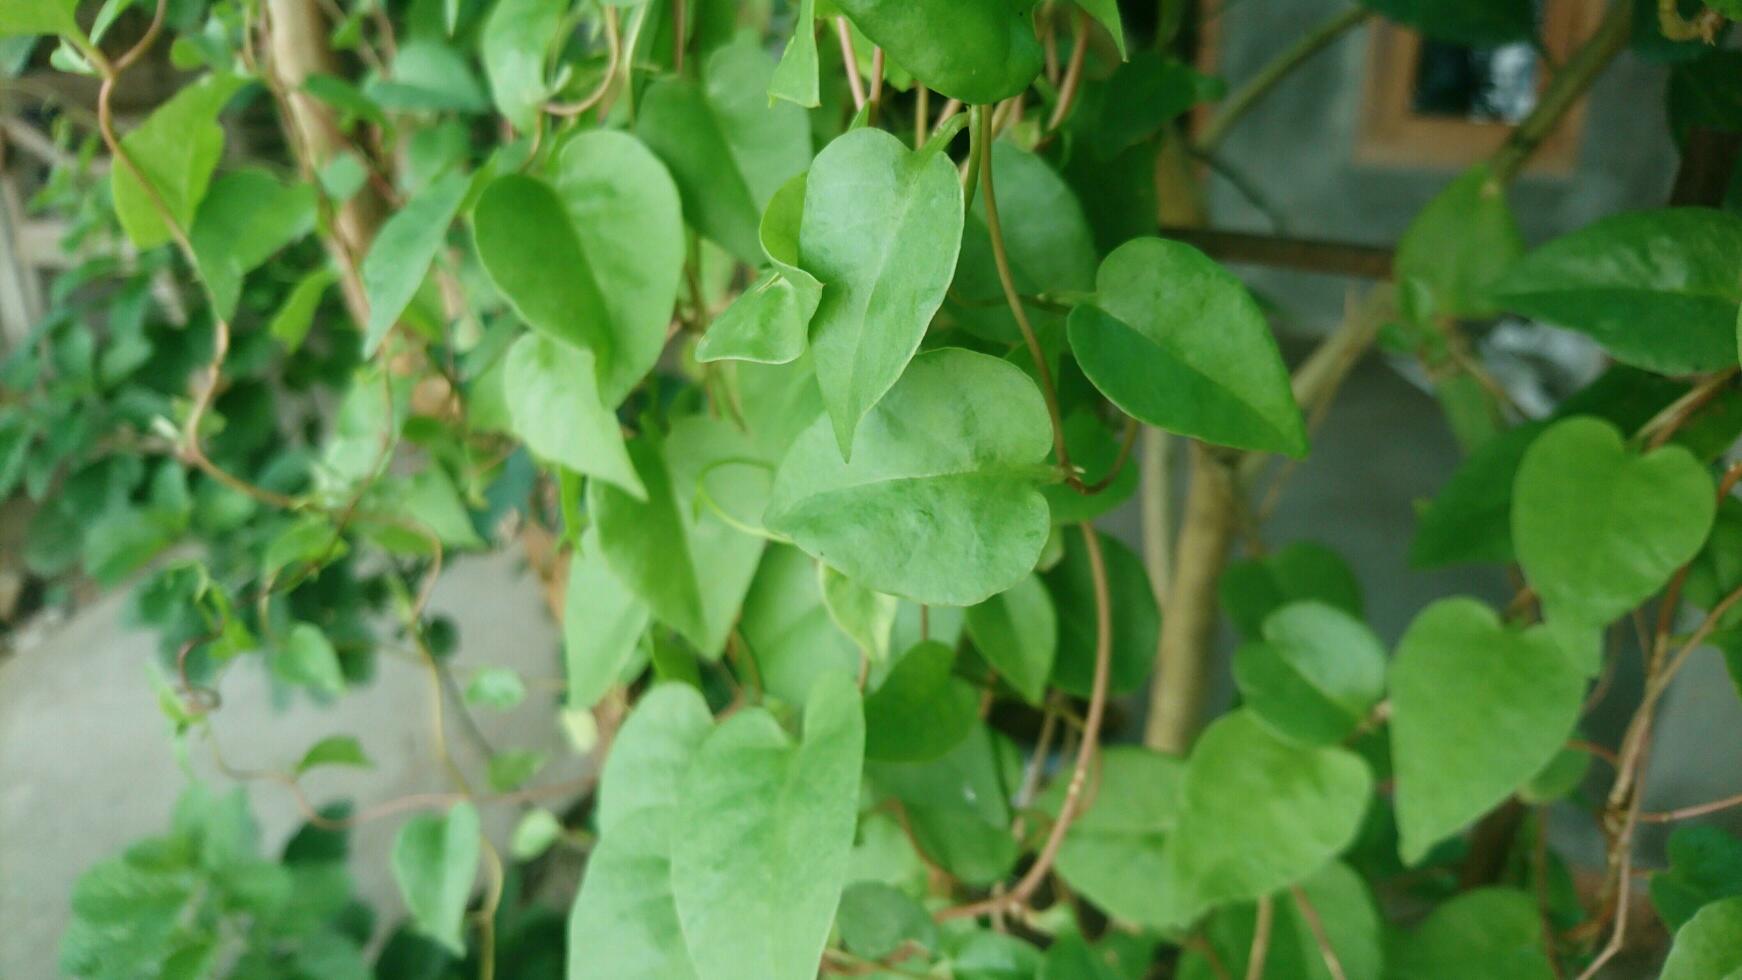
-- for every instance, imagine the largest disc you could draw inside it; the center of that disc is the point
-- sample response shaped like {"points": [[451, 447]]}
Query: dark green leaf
{"points": [[1705, 865], [399, 259], [1254, 588], [978, 51], [1315, 675], [922, 709], [1017, 632], [1486, 934], [1136, 619], [1484, 23]]}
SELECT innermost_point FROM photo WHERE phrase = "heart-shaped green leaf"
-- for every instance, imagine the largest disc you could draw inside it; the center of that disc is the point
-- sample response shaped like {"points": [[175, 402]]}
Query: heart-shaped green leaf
{"points": [[1175, 340], [1115, 851], [943, 505], [1017, 632], [1254, 588], [1260, 814], [1315, 675], [1598, 528], [978, 51], [593, 256], [435, 858], [1658, 289], [1476, 710], [1486, 934], [795, 78], [515, 46], [769, 322], [764, 828], [922, 709], [553, 401], [881, 229], [1705, 864], [1709, 946], [1463, 241], [674, 549], [176, 148]]}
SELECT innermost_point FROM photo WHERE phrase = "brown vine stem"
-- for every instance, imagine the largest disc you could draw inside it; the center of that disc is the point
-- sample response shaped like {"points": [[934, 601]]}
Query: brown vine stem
{"points": [[1242, 99], [1086, 749], [1316, 925], [1260, 939], [1564, 90], [1690, 812], [850, 63], [1073, 74]]}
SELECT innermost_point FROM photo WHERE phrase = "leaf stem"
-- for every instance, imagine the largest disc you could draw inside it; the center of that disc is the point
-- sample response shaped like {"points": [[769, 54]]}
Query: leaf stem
{"points": [[1258, 86], [850, 62], [1564, 90]]}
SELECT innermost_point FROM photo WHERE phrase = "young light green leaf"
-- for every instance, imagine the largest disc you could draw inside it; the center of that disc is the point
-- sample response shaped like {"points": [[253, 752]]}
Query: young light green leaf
{"points": [[1260, 814], [244, 218], [515, 45], [1175, 340], [865, 615], [534, 834], [553, 400], [602, 624], [646, 765], [1017, 632], [795, 78], [978, 51], [399, 259], [1710, 945], [1314, 676], [496, 688], [1460, 244], [764, 826], [610, 223], [176, 149], [766, 324], [1486, 934], [1656, 288], [958, 440], [1136, 619], [435, 858], [674, 549], [305, 658], [881, 229], [1598, 528], [922, 709], [334, 750], [727, 146], [788, 629], [1476, 710]]}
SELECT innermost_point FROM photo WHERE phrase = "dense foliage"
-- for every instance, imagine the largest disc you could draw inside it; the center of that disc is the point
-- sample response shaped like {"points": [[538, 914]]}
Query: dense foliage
{"points": [[814, 338]]}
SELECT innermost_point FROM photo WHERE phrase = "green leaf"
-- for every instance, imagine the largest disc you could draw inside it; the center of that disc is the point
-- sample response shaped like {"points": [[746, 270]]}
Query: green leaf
{"points": [[429, 76], [290, 325], [1175, 340], [435, 858], [1346, 912], [1484, 23], [978, 51], [922, 709], [1136, 619], [515, 45], [1046, 236], [511, 768], [334, 750], [795, 78], [766, 324], [728, 146], [593, 257], [602, 624], [1486, 934], [1017, 632], [1557, 780], [1254, 588], [646, 766], [1315, 675], [1115, 852], [1705, 865], [1106, 13], [1094, 450], [402, 252], [1260, 813], [553, 401], [875, 920], [865, 615], [1471, 518], [496, 688], [176, 149], [1656, 288], [881, 230], [788, 630], [959, 806], [23, 17], [958, 440], [534, 834], [996, 956], [672, 549], [1460, 244], [1476, 710], [1597, 528], [305, 658], [244, 218], [760, 860], [1710, 945]]}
